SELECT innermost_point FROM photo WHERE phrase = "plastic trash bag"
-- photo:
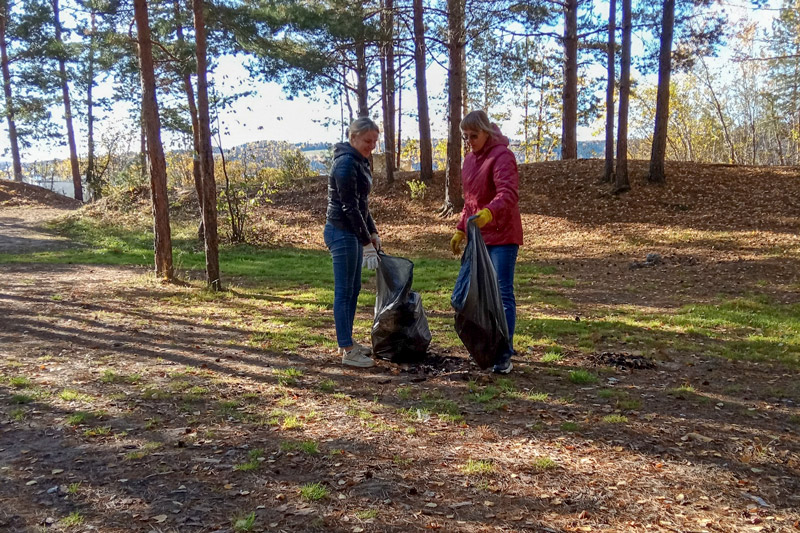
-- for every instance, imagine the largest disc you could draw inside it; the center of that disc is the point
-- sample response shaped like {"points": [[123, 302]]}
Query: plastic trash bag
{"points": [[400, 331], [480, 319]]}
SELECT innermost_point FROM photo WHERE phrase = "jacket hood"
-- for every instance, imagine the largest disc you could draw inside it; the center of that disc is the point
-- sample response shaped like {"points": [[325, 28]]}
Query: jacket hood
{"points": [[340, 149], [497, 138]]}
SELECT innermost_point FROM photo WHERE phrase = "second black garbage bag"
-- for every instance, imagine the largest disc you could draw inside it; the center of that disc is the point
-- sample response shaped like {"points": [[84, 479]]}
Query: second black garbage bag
{"points": [[480, 319], [400, 331]]}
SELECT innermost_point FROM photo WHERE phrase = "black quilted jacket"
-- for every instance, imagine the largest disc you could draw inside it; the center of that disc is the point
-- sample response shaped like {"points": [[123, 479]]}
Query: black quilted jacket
{"points": [[349, 184]]}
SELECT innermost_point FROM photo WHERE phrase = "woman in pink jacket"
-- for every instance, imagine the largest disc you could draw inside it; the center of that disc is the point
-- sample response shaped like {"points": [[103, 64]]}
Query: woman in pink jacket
{"points": [[491, 190]]}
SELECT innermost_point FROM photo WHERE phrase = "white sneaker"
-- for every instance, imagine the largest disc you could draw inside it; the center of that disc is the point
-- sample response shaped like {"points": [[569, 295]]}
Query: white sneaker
{"points": [[358, 356]]}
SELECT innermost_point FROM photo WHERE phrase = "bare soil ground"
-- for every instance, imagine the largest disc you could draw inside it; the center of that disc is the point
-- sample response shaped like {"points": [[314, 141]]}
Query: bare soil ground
{"points": [[140, 415]]}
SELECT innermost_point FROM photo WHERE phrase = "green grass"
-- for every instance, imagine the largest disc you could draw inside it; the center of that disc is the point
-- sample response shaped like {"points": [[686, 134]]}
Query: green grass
{"points": [[109, 376], [404, 392], [21, 399], [615, 419], [244, 523], [147, 449], [536, 396], [255, 457], [477, 467], [100, 431], [552, 356], [70, 395], [19, 382], [308, 446], [313, 491], [73, 519], [291, 422], [73, 488], [18, 414], [582, 377], [288, 376], [544, 463], [327, 385], [569, 426], [367, 514], [78, 418]]}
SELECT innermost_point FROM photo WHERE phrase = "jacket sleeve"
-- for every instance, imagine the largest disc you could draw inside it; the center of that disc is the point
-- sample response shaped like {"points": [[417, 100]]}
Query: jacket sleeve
{"points": [[371, 224], [344, 176], [506, 183], [462, 223]]}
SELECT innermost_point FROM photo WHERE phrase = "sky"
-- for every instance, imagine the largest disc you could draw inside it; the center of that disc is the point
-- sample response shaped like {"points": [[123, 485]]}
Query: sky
{"points": [[269, 114]]}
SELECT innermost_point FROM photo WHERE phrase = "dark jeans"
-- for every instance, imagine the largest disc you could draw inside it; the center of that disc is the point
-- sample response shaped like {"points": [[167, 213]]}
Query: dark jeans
{"points": [[504, 259], [347, 254]]}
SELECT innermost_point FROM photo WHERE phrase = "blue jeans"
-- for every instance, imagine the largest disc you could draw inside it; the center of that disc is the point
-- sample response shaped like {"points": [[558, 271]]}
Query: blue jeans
{"points": [[347, 254], [504, 260]]}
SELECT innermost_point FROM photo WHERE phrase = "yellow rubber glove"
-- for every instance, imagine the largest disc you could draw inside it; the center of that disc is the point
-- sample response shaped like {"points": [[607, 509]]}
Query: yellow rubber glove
{"points": [[484, 217], [455, 242]]}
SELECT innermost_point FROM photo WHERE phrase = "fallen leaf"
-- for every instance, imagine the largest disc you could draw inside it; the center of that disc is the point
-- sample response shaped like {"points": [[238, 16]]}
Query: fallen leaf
{"points": [[160, 518]]}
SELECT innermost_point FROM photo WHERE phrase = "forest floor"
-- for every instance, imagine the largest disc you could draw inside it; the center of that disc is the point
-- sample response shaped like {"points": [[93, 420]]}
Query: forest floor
{"points": [[646, 396]]}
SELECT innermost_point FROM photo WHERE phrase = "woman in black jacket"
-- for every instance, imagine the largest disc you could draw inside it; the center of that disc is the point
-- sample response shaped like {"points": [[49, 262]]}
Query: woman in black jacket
{"points": [[350, 233]]}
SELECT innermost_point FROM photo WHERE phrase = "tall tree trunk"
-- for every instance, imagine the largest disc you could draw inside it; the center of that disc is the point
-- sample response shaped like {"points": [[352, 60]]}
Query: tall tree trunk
{"points": [[399, 149], [425, 143], [569, 95], [13, 139], [152, 125], [453, 197], [387, 79], [92, 180], [659, 151], [190, 100], [143, 145], [622, 183], [62, 73], [206, 153], [720, 114], [608, 174], [361, 75]]}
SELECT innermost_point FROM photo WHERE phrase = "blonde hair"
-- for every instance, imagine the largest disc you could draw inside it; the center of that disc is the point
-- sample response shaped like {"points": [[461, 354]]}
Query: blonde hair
{"points": [[360, 126], [478, 121]]}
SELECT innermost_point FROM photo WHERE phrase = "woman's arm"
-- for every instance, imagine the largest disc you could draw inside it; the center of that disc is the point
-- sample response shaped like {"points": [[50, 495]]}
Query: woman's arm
{"points": [[506, 183]]}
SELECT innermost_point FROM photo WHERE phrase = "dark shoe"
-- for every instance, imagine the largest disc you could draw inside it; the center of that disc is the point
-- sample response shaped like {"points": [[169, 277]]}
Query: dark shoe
{"points": [[503, 365]]}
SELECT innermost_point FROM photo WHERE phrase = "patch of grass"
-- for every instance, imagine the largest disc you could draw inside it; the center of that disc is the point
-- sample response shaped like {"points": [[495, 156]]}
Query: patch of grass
{"points": [[73, 488], [21, 399], [402, 461], [307, 446], [147, 449], [682, 391], [536, 396], [288, 376], [477, 467], [244, 523], [404, 392], [582, 377], [327, 386], [484, 396], [544, 463], [615, 419], [109, 376], [367, 514], [629, 404], [19, 382], [154, 393], [73, 519], [794, 419], [78, 418], [607, 393], [313, 491], [291, 422], [569, 426], [551, 356], [100, 431], [18, 414], [255, 458], [70, 395]]}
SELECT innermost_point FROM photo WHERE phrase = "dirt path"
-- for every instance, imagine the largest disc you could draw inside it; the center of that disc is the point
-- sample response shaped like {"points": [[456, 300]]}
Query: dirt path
{"points": [[21, 230]]}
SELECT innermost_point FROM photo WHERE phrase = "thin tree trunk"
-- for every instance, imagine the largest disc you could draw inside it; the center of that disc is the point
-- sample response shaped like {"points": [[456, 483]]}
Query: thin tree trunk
{"points": [[399, 115], [92, 180], [62, 73], [608, 174], [453, 200], [206, 154], [425, 143], [158, 165], [659, 150], [190, 100], [143, 146], [569, 120], [387, 84], [13, 139], [361, 76], [720, 115], [622, 183]]}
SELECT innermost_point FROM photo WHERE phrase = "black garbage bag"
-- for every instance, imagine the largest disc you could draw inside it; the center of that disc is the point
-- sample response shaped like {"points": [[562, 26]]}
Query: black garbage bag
{"points": [[480, 319], [400, 331]]}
